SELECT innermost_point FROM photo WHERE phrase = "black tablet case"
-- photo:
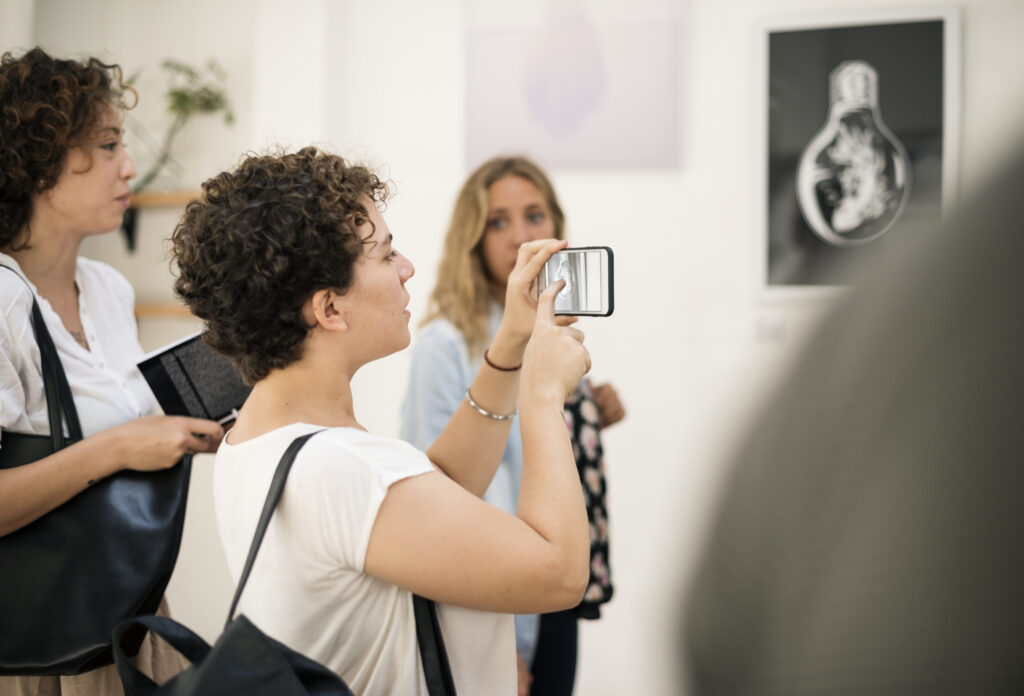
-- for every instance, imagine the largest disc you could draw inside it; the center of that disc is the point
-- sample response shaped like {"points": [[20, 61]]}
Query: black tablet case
{"points": [[189, 378]]}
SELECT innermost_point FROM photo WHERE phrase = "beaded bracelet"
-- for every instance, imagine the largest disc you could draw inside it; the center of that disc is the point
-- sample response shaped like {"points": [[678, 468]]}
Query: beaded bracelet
{"points": [[498, 367], [484, 412]]}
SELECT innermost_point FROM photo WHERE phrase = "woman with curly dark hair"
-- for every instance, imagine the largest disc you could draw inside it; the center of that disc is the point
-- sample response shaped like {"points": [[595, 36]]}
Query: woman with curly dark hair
{"points": [[291, 265], [64, 176]]}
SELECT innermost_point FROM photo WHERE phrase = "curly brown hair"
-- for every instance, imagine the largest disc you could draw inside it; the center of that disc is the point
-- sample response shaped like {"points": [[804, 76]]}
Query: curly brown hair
{"points": [[47, 106], [262, 239]]}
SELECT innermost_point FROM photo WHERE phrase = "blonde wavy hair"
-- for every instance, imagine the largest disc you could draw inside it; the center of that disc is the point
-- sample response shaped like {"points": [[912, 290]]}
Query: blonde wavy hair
{"points": [[463, 291]]}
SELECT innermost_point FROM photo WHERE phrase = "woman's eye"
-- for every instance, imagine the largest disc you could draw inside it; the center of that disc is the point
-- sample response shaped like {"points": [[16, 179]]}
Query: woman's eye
{"points": [[496, 223], [109, 147], [391, 256], [536, 217]]}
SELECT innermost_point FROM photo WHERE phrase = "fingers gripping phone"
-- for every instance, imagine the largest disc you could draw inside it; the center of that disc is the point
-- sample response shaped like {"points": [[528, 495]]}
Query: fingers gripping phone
{"points": [[589, 287]]}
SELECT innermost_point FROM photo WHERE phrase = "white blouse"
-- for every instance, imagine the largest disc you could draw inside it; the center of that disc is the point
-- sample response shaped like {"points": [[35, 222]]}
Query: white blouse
{"points": [[107, 386]]}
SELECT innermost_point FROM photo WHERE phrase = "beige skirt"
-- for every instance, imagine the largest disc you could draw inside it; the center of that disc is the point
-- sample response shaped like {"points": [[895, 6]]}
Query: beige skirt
{"points": [[156, 658]]}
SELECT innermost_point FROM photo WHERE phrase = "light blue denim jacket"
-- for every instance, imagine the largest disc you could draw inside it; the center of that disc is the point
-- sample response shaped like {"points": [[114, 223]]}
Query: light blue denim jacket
{"points": [[441, 371]]}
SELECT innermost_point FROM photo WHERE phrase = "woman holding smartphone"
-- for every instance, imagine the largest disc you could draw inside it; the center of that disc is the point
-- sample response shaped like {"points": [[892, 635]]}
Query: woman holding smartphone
{"points": [[505, 203], [298, 278]]}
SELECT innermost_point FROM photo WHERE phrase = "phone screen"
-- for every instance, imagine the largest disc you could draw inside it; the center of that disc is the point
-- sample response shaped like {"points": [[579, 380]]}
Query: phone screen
{"points": [[587, 272]]}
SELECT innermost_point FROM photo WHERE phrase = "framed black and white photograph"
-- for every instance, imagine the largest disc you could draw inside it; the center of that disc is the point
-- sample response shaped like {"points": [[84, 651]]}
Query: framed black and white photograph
{"points": [[860, 139]]}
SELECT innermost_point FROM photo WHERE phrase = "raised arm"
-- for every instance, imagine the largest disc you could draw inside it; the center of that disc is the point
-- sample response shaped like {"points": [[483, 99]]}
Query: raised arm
{"points": [[434, 538], [470, 447]]}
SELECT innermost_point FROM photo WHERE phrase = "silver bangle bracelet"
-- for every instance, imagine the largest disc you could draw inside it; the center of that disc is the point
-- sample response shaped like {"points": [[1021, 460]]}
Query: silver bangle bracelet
{"points": [[484, 412]]}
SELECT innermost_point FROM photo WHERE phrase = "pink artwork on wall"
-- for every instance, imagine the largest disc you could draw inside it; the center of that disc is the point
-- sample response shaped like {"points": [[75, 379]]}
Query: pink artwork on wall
{"points": [[574, 83]]}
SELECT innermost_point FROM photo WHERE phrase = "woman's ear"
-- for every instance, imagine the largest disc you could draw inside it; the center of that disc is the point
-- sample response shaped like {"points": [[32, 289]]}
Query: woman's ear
{"points": [[326, 308]]}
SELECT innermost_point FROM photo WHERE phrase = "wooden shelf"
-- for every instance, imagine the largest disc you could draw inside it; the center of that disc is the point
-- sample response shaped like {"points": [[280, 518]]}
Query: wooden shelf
{"points": [[163, 199], [162, 310]]}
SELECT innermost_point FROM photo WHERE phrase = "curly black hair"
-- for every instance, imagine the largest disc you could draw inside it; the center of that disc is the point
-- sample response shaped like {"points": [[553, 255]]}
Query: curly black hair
{"points": [[47, 106], [262, 239]]}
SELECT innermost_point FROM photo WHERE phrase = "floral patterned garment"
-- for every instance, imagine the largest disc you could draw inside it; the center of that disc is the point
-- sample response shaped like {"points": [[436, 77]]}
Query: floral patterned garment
{"points": [[583, 421]]}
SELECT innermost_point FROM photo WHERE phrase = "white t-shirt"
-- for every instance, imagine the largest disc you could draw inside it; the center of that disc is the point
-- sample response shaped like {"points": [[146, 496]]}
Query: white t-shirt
{"points": [[108, 388], [308, 588]]}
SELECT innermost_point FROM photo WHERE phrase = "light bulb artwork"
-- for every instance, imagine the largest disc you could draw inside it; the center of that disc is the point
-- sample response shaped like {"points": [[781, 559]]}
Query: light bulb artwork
{"points": [[853, 179], [565, 273]]}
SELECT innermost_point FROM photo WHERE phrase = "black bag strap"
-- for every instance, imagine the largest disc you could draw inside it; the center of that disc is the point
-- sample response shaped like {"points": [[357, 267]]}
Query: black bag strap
{"points": [[273, 496], [59, 399], [436, 669], [182, 639]]}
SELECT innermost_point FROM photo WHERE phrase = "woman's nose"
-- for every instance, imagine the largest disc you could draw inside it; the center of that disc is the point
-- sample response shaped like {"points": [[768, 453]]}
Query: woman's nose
{"points": [[407, 270], [128, 170], [520, 233]]}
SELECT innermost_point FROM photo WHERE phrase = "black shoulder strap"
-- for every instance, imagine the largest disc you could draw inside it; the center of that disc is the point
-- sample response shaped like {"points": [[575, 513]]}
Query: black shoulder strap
{"points": [[55, 383], [432, 651], [273, 496], [428, 632]]}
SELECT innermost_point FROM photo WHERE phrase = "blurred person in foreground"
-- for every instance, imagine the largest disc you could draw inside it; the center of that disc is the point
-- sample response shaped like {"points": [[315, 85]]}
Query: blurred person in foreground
{"points": [[868, 537]]}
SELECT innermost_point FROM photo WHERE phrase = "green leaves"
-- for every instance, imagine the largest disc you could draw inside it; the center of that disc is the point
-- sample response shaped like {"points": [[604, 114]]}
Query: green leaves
{"points": [[197, 91], [191, 92]]}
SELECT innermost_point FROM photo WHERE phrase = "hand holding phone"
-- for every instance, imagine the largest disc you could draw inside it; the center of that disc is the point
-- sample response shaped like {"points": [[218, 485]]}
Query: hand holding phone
{"points": [[589, 287], [555, 359]]}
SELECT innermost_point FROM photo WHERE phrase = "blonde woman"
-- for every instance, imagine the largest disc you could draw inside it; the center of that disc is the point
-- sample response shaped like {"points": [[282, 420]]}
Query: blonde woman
{"points": [[506, 202]]}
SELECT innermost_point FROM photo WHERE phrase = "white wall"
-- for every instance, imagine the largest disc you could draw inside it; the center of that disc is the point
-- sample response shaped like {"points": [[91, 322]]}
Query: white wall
{"points": [[690, 347], [16, 23]]}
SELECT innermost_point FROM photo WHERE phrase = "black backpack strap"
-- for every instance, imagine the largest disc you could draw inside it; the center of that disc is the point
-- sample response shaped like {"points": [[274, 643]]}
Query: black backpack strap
{"points": [[432, 651], [428, 632], [59, 399], [273, 496]]}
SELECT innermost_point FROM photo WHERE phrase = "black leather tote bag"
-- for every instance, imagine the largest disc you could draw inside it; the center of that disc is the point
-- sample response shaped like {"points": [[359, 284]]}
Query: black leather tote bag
{"points": [[70, 577], [244, 660]]}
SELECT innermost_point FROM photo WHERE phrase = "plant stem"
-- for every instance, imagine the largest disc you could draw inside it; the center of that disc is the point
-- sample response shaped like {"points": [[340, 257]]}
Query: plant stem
{"points": [[165, 152]]}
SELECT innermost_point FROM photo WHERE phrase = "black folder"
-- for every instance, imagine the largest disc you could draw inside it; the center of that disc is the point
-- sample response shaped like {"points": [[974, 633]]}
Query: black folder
{"points": [[189, 378]]}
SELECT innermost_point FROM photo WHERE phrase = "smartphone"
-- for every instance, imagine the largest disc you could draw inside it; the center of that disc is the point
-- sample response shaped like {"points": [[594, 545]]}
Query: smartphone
{"points": [[587, 271]]}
